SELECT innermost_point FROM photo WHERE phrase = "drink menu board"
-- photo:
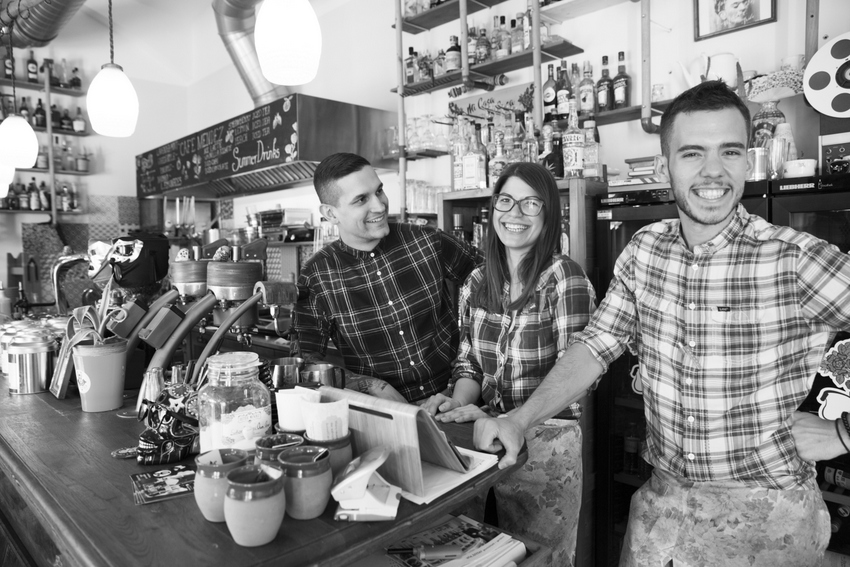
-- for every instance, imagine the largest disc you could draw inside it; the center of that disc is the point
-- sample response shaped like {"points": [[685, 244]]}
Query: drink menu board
{"points": [[265, 136]]}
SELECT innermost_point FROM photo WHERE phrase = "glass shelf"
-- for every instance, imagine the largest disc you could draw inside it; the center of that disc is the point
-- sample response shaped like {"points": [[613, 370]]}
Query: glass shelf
{"points": [[61, 132], [24, 85]]}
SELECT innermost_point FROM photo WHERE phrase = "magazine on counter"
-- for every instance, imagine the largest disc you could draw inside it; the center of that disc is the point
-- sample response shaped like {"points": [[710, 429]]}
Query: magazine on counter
{"points": [[163, 484], [480, 545]]}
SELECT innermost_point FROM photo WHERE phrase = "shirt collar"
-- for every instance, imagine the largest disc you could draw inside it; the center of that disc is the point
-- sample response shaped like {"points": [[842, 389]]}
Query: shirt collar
{"points": [[740, 219], [365, 254]]}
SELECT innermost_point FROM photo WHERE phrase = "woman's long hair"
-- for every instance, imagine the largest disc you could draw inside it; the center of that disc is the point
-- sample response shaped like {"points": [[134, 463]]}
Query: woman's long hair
{"points": [[496, 274]]}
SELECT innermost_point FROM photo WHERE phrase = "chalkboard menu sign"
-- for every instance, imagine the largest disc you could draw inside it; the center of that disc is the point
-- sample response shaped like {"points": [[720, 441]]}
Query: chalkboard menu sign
{"points": [[257, 139]]}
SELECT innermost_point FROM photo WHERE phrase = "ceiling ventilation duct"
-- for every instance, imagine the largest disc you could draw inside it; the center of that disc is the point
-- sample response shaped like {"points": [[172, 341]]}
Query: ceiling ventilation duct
{"points": [[37, 22], [235, 20]]}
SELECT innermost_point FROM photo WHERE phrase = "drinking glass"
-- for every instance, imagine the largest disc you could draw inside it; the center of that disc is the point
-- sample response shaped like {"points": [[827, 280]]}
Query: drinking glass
{"points": [[777, 153], [413, 142], [426, 134], [441, 142]]}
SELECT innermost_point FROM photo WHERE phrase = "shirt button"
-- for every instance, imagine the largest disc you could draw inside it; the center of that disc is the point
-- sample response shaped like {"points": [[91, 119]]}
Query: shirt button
{"points": [[691, 456], [695, 266], [412, 363], [422, 388], [372, 254], [379, 272], [692, 343], [690, 419], [401, 332], [692, 306], [688, 381], [391, 301]]}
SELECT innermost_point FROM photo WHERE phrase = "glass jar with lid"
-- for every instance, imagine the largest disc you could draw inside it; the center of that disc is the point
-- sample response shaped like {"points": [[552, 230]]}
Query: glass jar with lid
{"points": [[234, 407]]}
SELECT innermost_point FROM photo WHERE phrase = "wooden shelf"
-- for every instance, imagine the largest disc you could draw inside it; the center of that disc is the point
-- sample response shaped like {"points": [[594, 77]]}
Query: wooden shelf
{"points": [[552, 51], [62, 132], [24, 85], [443, 14], [419, 154], [563, 10], [56, 172], [467, 194], [620, 114]]}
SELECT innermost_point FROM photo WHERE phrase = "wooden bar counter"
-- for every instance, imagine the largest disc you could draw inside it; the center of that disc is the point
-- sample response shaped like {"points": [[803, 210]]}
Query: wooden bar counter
{"points": [[64, 500]]}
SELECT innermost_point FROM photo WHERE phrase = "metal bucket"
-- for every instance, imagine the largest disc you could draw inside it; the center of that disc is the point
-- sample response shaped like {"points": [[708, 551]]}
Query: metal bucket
{"points": [[32, 357]]}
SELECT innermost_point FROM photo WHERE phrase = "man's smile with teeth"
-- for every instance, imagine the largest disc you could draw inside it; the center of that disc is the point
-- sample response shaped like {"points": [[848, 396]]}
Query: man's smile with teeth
{"points": [[379, 219], [710, 193]]}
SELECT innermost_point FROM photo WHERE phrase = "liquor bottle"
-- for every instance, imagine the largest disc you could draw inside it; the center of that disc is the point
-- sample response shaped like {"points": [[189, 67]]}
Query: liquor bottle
{"points": [[530, 148], [565, 230], [452, 55], [550, 104], [631, 443], [32, 193], [498, 161], [474, 162], [69, 162], [495, 39], [482, 47], [484, 133], [516, 35], [517, 136], [57, 153], [833, 475], [575, 79], [490, 146], [54, 76], [76, 82], [563, 92], [55, 116], [39, 116], [573, 144], [622, 83], [459, 147], [592, 167], [504, 39], [41, 160], [32, 68], [63, 75], [424, 68], [550, 160], [440, 64], [409, 70], [765, 121], [557, 150], [8, 63], [471, 45], [22, 305], [526, 27], [65, 198], [66, 123], [587, 91], [605, 88], [43, 196], [79, 121], [457, 227], [24, 110]]}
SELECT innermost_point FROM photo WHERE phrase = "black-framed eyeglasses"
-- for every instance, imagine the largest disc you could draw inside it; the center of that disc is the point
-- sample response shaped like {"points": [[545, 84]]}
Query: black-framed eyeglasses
{"points": [[530, 206]]}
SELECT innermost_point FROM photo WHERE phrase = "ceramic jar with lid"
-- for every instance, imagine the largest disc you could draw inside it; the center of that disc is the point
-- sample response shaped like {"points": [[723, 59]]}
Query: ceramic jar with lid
{"points": [[340, 451], [211, 479], [270, 446], [234, 407], [307, 480], [254, 504]]}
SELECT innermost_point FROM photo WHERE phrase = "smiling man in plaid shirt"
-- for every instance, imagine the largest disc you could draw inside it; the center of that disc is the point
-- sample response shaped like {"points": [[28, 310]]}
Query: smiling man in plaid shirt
{"points": [[730, 317], [380, 290]]}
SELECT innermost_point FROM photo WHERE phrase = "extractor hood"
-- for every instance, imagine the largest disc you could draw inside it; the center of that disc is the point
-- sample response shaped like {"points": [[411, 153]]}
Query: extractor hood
{"points": [[272, 147]]}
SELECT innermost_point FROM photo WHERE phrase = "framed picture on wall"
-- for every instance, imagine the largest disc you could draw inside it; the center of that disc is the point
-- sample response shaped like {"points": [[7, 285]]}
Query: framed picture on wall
{"points": [[716, 17]]}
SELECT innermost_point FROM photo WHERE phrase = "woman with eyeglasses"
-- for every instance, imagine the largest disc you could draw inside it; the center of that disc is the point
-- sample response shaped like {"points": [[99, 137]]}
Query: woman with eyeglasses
{"points": [[517, 313]]}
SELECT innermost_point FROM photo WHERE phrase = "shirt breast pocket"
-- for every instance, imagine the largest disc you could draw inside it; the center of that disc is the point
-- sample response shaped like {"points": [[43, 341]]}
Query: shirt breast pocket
{"points": [[660, 322]]}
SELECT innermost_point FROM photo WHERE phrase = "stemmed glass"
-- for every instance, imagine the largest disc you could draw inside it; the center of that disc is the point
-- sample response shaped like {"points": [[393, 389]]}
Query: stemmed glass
{"points": [[426, 135], [413, 141]]}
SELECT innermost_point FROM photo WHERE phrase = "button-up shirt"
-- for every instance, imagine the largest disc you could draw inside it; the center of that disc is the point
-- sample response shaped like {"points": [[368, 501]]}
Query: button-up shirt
{"points": [[729, 337], [389, 310], [510, 353]]}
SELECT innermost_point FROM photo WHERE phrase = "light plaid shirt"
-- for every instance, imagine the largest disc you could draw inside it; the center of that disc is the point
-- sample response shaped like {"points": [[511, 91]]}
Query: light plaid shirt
{"points": [[388, 310], [509, 354], [729, 339]]}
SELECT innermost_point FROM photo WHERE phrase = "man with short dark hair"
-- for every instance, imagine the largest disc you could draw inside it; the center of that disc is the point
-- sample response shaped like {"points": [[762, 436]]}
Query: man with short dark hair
{"points": [[730, 317], [734, 13], [379, 292]]}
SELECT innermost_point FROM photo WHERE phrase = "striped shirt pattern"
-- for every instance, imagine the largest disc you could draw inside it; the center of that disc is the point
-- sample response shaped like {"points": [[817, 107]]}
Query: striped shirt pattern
{"points": [[388, 311], [510, 353], [729, 338]]}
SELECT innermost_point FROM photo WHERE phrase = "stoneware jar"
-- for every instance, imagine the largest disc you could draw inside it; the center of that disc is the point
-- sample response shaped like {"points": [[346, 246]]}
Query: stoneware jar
{"points": [[211, 479], [270, 446], [307, 480], [340, 450], [254, 504]]}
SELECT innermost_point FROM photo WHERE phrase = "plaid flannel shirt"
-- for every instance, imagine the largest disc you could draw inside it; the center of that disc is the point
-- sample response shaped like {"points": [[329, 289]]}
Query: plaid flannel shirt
{"points": [[729, 338], [389, 310], [510, 353]]}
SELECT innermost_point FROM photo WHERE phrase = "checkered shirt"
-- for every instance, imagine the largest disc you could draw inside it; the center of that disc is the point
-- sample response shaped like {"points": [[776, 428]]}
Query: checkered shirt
{"points": [[729, 338]]}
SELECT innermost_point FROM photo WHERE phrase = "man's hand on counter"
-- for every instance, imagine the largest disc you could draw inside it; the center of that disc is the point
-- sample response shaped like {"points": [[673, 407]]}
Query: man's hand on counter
{"points": [[372, 386], [494, 434]]}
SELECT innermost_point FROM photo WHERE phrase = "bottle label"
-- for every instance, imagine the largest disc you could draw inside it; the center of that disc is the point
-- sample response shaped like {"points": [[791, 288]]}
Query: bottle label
{"points": [[458, 174], [573, 160], [563, 97], [762, 131], [239, 429], [452, 60], [586, 98], [620, 92], [548, 95], [602, 97], [470, 171], [837, 477]]}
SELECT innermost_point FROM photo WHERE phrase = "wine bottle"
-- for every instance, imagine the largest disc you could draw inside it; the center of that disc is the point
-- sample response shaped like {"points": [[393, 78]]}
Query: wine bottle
{"points": [[587, 91], [622, 83], [39, 116], [549, 101], [605, 88], [32, 68], [563, 92]]}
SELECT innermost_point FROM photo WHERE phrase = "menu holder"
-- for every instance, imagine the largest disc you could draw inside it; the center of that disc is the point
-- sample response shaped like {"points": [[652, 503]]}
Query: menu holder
{"points": [[407, 429]]}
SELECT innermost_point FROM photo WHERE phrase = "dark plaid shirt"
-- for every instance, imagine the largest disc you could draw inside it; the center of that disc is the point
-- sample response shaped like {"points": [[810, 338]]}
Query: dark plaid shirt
{"points": [[729, 338], [388, 311]]}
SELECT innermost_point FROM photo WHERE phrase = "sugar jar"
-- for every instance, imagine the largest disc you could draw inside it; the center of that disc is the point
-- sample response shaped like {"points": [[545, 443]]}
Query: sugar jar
{"points": [[234, 407]]}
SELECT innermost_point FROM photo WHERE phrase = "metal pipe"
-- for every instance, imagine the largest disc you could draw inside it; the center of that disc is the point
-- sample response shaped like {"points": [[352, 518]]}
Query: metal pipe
{"points": [[37, 22], [215, 340], [646, 122], [197, 312], [402, 137]]}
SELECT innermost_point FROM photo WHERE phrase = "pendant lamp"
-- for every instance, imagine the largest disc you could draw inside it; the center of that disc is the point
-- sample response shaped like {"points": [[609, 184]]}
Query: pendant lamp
{"points": [[111, 99], [7, 175], [288, 41], [18, 143]]}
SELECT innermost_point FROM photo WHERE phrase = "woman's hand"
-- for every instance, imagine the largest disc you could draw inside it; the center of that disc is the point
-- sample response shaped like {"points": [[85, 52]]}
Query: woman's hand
{"points": [[439, 403], [462, 414]]}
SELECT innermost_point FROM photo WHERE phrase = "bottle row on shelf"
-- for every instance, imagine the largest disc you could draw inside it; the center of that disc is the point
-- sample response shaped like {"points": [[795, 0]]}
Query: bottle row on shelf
{"points": [[60, 120], [37, 197], [32, 72], [66, 158], [591, 96]]}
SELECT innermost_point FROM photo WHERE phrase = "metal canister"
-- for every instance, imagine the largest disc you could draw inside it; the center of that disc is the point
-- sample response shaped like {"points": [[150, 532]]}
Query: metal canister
{"points": [[759, 157], [32, 354]]}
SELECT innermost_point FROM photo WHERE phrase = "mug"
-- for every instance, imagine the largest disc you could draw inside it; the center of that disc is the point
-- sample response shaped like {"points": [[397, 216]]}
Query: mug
{"points": [[326, 374]]}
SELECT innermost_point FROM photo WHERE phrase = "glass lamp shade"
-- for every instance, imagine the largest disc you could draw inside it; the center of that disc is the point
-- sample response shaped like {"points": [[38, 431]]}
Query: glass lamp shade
{"points": [[7, 175], [112, 103], [18, 143], [288, 41]]}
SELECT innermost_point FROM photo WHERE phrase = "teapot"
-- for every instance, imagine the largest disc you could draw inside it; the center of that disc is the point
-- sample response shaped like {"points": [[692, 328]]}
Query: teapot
{"points": [[721, 66]]}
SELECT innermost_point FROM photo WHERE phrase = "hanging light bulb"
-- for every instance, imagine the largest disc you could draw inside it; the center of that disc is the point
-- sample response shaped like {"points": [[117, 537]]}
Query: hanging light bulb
{"points": [[288, 41], [18, 143], [111, 99]]}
